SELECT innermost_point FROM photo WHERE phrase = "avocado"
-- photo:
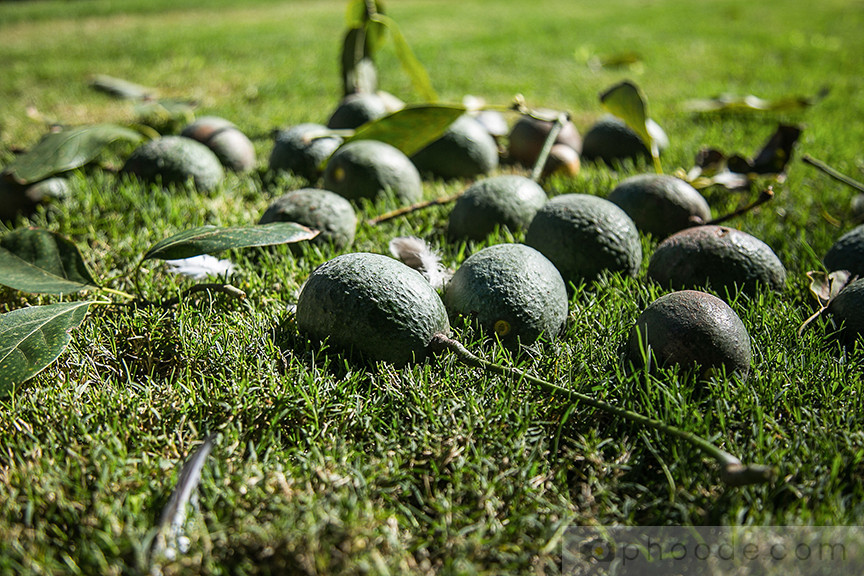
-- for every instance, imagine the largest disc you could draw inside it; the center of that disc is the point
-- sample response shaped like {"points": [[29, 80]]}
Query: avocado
{"points": [[364, 169], [175, 160], [325, 211], [659, 204], [506, 200]]}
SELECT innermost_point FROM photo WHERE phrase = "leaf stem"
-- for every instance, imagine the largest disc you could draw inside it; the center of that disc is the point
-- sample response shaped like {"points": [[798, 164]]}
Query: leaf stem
{"points": [[733, 471], [117, 292]]}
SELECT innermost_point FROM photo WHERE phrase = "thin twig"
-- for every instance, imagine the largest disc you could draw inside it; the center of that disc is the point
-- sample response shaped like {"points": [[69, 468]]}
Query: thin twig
{"points": [[412, 208], [733, 471], [554, 131], [764, 197], [807, 159]]}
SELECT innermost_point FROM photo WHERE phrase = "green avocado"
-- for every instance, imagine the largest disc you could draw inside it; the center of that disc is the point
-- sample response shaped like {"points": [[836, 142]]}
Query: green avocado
{"points": [[176, 160], [723, 258], [372, 305], [847, 311], [511, 290], [584, 235], [364, 169], [465, 150], [612, 142], [507, 200], [690, 328], [302, 149], [330, 214]]}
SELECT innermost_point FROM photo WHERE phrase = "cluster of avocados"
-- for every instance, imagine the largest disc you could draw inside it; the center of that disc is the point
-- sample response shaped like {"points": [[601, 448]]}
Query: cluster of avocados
{"points": [[517, 293]]}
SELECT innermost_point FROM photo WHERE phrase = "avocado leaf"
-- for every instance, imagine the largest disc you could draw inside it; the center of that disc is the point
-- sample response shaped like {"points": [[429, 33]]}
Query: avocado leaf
{"points": [[211, 239], [31, 339], [626, 101], [42, 262], [66, 150], [412, 128]]}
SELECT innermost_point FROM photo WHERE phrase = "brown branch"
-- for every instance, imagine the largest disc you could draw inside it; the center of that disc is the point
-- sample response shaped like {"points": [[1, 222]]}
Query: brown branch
{"points": [[412, 208], [833, 173]]}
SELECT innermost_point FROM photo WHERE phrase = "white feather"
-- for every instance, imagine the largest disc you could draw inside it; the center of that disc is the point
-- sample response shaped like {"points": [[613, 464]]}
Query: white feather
{"points": [[200, 267], [414, 252]]}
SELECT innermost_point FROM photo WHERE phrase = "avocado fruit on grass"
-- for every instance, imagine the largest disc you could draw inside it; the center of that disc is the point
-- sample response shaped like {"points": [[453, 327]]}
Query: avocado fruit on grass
{"points": [[511, 290], [723, 258], [660, 204], [175, 160], [506, 200], [365, 169], [690, 328], [372, 305], [330, 214], [585, 235]]}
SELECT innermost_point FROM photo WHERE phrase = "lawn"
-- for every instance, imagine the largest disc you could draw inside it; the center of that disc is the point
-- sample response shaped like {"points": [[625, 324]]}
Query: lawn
{"points": [[322, 465]]}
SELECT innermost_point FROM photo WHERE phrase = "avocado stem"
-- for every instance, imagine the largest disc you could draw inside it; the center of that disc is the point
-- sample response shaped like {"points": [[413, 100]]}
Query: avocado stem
{"points": [[839, 176], [556, 128], [764, 196], [732, 471], [412, 208]]}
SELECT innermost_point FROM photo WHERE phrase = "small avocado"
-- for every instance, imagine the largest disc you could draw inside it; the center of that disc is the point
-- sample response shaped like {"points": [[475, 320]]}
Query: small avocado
{"points": [[689, 328], [372, 305], [723, 258], [846, 310], [302, 149], [233, 148], [507, 200], [465, 150], [357, 109], [611, 141], [529, 134], [510, 290], [364, 169], [325, 211], [659, 204], [584, 235], [175, 160]]}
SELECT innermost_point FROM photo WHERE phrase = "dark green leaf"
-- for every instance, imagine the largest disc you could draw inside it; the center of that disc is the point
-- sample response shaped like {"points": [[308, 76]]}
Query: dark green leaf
{"points": [[32, 338], [410, 64], [42, 262], [66, 150], [212, 239], [412, 128], [121, 88]]}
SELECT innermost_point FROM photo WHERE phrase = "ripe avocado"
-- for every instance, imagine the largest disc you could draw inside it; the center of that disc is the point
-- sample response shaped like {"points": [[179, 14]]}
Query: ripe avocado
{"points": [[659, 204], [690, 328], [511, 290], [529, 134], [584, 235], [847, 253], [723, 258], [373, 305], [233, 148]]}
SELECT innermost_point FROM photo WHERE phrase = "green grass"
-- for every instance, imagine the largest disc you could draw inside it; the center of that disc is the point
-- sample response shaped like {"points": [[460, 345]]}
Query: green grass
{"points": [[327, 467]]}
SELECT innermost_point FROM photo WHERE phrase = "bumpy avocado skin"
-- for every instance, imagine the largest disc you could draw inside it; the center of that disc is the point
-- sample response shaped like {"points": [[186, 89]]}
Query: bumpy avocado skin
{"points": [[176, 160], [366, 168], [373, 305], [660, 204], [584, 235], [330, 214], [848, 252], [847, 310], [465, 150], [687, 328], [512, 290], [723, 258], [508, 200], [295, 150]]}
